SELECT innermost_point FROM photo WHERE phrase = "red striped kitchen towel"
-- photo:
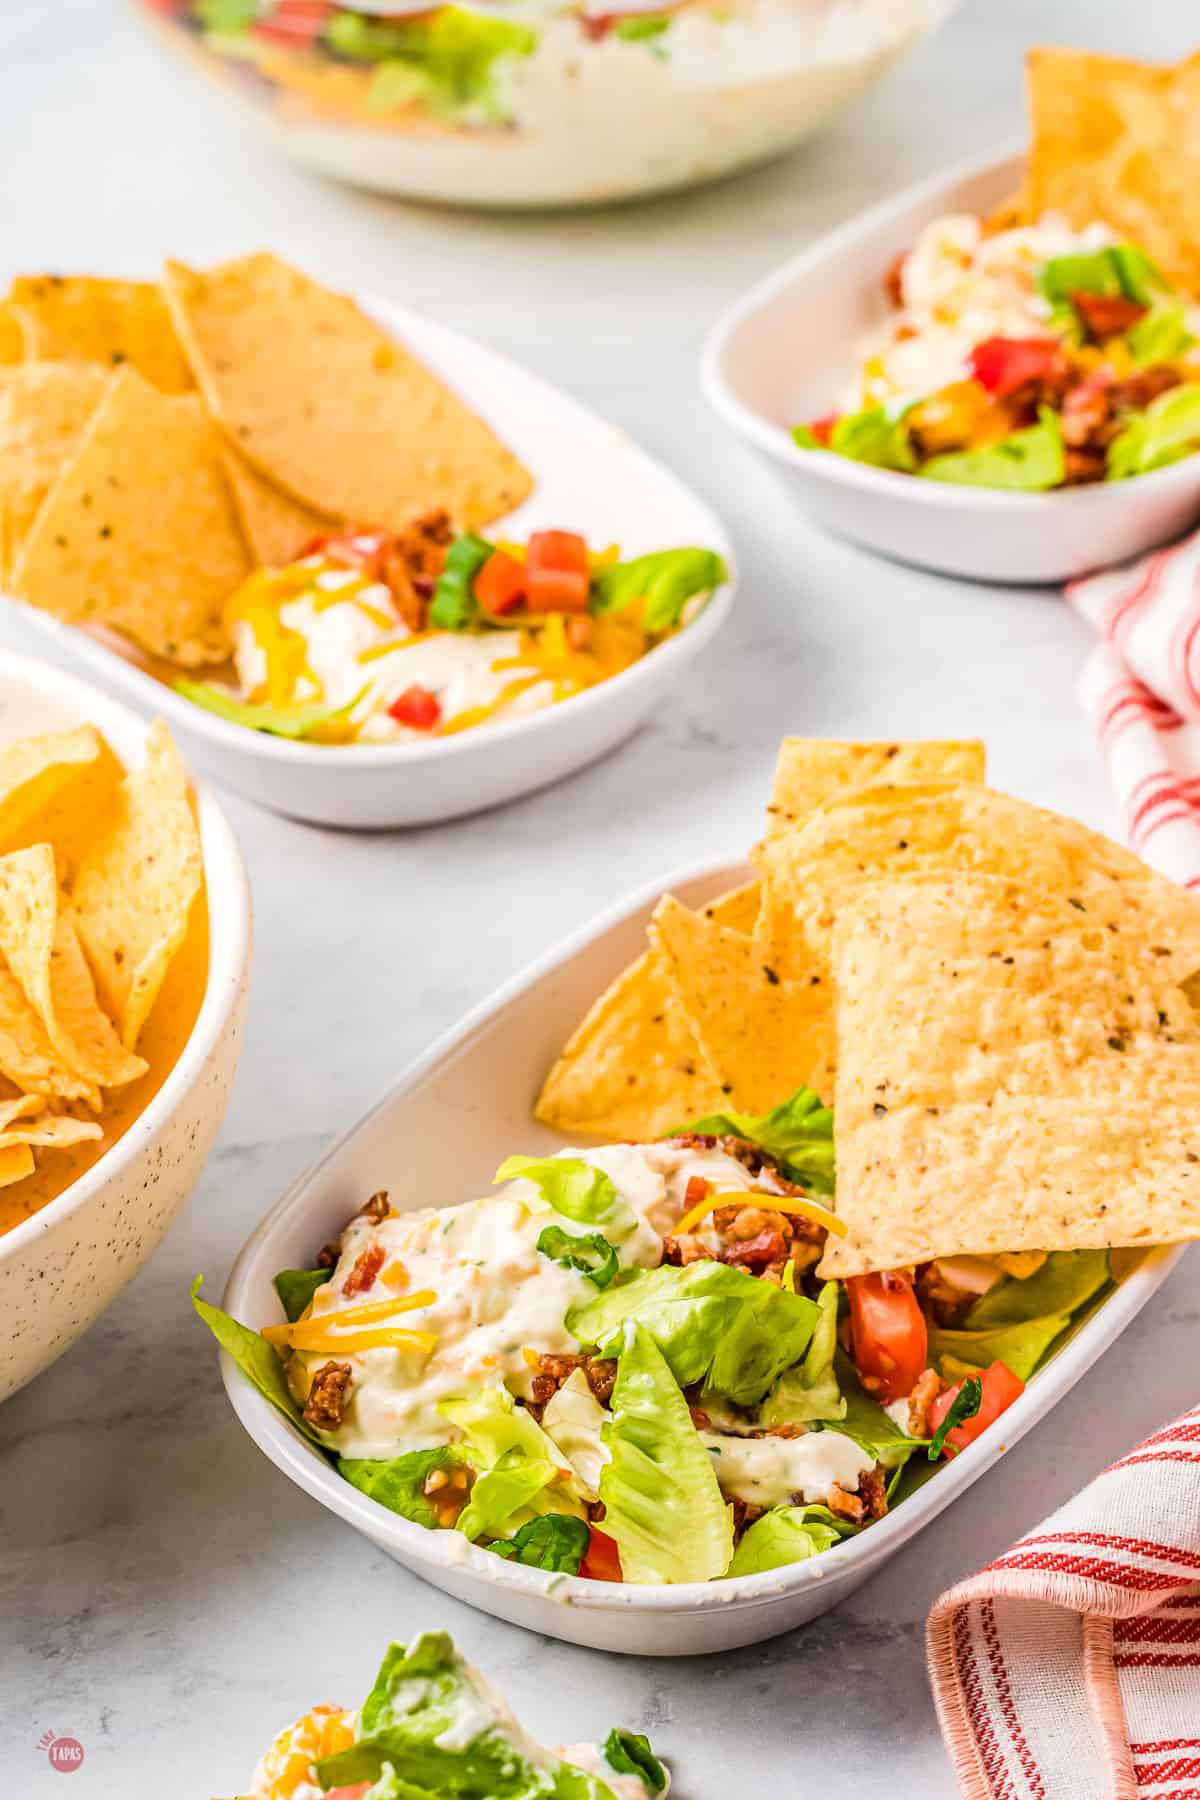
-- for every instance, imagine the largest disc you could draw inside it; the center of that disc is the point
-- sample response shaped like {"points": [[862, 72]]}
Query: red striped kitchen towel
{"points": [[1141, 689], [1069, 1668]]}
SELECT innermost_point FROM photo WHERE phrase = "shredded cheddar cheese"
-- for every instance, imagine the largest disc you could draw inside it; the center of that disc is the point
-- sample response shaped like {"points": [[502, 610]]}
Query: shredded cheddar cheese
{"points": [[784, 1203]]}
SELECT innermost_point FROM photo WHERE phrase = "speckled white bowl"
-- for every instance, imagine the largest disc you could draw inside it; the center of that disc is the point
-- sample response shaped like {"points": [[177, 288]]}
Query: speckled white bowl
{"points": [[61, 1268]]}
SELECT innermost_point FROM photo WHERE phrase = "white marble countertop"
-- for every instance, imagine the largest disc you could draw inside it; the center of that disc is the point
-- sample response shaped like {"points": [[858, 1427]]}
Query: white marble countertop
{"points": [[166, 1596]]}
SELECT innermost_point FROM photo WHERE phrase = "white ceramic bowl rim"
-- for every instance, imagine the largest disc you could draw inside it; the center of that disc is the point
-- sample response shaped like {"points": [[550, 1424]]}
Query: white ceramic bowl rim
{"points": [[305, 1465], [865, 476], [228, 896]]}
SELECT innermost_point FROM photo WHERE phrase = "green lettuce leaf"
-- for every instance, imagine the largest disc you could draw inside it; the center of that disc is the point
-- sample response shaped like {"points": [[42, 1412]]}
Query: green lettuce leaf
{"points": [[1029, 461], [811, 1389], [553, 1541], [1120, 270], [805, 438], [295, 722], [492, 1424], [591, 1255], [1067, 1280], [876, 436], [798, 1135], [257, 1360], [574, 1419], [662, 1504], [296, 1288], [665, 579], [398, 1482], [500, 1497], [788, 1534], [868, 1424], [711, 1322], [1166, 431], [455, 607], [1159, 336], [434, 1721], [637, 30], [1021, 1347], [446, 59], [226, 18], [629, 1753], [571, 1186]]}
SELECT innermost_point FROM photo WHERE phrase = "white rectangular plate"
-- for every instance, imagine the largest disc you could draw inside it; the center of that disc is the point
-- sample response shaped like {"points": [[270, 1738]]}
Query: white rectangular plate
{"points": [[436, 1137]]}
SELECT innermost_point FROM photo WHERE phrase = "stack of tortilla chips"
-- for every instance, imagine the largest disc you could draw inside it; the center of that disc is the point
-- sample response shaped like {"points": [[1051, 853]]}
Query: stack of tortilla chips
{"points": [[99, 871], [160, 440], [1116, 140], [993, 999]]}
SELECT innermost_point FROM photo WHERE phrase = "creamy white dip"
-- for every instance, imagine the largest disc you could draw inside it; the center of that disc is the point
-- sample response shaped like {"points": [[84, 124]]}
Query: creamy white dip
{"points": [[767, 1471]]}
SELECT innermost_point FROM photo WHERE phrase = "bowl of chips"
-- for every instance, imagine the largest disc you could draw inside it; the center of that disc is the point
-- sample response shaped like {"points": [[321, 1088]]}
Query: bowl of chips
{"points": [[527, 106], [124, 962]]}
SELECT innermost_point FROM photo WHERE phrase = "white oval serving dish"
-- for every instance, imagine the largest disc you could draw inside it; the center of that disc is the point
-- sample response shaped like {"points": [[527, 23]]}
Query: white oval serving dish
{"points": [[590, 478], [63, 1266], [437, 1136], [784, 353]]}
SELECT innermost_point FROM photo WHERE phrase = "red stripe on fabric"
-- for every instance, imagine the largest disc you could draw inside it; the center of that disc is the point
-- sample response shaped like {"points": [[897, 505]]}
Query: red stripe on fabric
{"points": [[1180, 648], [1186, 815], [1125, 608], [1174, 1770], [1159, 1456], [995, 1768], [1184, 1431], [1025, 1756], [1140, 704], [1110, 1540], [1155, 1629], [1188, 1793], [1151, 1746], [1118, 1575], [1155, 1659]]}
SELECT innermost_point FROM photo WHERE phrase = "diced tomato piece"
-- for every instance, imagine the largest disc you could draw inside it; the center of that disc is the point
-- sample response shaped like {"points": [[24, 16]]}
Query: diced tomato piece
{"points": [[417, 707], [603, 1559], [1005, 364], [1105, 315], [500, 584], [557, 574], [822, 429], [1000, 1388], [889, 1337], [295, 24]]}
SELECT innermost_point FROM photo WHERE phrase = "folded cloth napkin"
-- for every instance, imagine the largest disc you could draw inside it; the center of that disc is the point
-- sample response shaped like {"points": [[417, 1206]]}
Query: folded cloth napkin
{"points": [[1141, 689], [1069, 1669]]}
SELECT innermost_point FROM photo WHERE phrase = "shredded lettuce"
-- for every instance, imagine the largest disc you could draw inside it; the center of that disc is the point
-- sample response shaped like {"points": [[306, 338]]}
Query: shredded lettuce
{"points": [[1166, 431], [1021, 1347], [296, 1288], [556, 1542], [712, 1323], [876, 435], [811, 1390], [1120, 270], [663, 1507], [638, 30], [256, 1359], [788, 1534], [438, 1727], [571, 1186], [1067, 1280], [226, 18], [1028, 461], [798, 1135], [500, 1497], [398, 1482], [295, 722], [446, 60], [1159, 336], [629, 1753], [591, 1255], [665, 580], [520, 1470]]}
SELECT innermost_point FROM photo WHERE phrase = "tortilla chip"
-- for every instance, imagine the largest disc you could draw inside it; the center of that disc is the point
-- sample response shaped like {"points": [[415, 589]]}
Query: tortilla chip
{"points": [[27, 1057], [937, 830], [139, 532], [66, 813], [632, 1068], [35, 771], [1058, 1029], [810, 772], [135, 886], [16, 335], [43, 410], [42, 951], [1116, 140], [94, 319], [329, 406], [16, 1162], [276, 527], [26, 1121]]}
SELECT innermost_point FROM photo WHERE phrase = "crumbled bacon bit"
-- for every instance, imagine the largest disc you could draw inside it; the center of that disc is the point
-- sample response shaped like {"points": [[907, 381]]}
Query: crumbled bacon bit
{"points": [[759, 1251], [377, 1208], [361, 1278], [920, 1400], [326, 1404], [553, 1371], [680, 1251], [845, 1506], [1105, 315], [872, 1488], [744, 1515], [411, 562], [696, 1192]]}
